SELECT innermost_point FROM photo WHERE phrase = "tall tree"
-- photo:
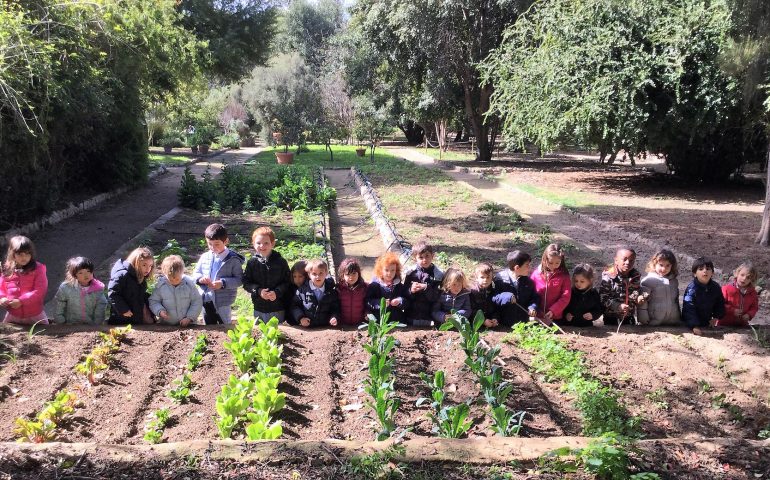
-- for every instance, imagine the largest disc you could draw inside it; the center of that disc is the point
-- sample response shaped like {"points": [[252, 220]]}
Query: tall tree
{"points": [[309, 27]]}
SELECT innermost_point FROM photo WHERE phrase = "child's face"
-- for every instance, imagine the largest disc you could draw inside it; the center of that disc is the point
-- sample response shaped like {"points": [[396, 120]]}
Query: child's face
{"points": [[84, 276], [581, 282], [663, 267], [298, 278], [317, 276], [483, 280], [522, 270], [704, 274], [350, 278], [552, 263], [263, 245], [22, 258], [145, 267], [743, 278], [174, 280], [389, 272], [424, 259], [624, 261], [455, 287], [217, 246]]}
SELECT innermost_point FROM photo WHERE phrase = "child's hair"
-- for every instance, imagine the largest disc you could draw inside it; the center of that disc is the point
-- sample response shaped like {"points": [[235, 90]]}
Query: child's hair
{"points": [[137, 256], [299, 266], [583, 270], [483, 268], [753, 274], [316, 263], [19, 244], [215, 231], [701, 262], [666, 256], [626, 248], [74, 265], [263, 230], [517, 258], [422, 247], [451, 276], [172, 266], [387, 258], [347, 267], [554, 250]]}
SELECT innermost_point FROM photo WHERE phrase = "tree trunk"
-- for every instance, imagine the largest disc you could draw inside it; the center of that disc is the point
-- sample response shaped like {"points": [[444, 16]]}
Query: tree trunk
{"points": [[764, 232], [475, 113], [414, 133], [441, 126]]}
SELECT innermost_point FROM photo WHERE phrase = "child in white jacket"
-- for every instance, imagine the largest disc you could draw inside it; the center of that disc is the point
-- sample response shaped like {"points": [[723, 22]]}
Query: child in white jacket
{"points": [[176, 299], [662, 289]]}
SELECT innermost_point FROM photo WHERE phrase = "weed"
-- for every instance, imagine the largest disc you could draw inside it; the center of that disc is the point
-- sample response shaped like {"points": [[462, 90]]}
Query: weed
{"points": [[32, 333], [658, 397], [704, 386], [172, 247], [544, 238], [761, 336], [605, 457], [764, 434], [376, 466]]}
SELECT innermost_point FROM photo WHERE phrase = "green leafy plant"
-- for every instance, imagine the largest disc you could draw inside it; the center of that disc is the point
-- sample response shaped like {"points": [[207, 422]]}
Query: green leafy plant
{"points": [[181, 392], [448, 421], [260, 427], [658, 397], [153, 429], [506, 423], [266, 397], [470, 332], [269, 330], [232, 403], [242, 344], [43, 427]]}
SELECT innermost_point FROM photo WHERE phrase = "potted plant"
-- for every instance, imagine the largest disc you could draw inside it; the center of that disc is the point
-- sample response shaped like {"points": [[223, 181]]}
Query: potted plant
{"points": [[168, 143], [360, 150], [206, 136]]}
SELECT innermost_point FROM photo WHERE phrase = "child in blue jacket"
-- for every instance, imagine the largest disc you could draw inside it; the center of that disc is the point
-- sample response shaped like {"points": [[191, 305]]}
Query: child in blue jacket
{"points": [[703, 301], [515, 293]]}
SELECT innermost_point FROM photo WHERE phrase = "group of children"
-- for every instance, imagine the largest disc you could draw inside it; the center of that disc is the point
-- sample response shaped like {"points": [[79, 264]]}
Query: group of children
{"points": [[307, 296]]}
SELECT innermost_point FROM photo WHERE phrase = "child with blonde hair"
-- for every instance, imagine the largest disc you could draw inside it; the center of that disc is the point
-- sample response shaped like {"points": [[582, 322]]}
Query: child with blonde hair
{"points": [[128, 297], [454, 297], [80, 298], [176, 300], [661, 287], [23, 284], [741, 299], [387, 284], [552, 284]]}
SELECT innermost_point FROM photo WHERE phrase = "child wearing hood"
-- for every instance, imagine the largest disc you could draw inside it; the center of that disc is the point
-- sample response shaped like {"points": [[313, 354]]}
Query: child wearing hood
{"points": [[80, 297]]}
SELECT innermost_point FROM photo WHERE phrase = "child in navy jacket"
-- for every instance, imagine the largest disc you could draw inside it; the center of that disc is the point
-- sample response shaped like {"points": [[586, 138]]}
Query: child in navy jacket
{"points": [[703, 301], [454, 296], [515, 295], [423, 283], [585, 306], [316, 302], [482, 293], [387, 284]]}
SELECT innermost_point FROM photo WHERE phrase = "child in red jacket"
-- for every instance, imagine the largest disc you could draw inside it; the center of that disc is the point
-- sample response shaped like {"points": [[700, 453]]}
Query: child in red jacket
{"points": [[23, 284], [352, 292], [552, 284], [741, 299]]}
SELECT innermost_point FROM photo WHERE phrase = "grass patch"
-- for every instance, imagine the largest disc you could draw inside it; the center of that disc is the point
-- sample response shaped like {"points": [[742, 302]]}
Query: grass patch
{"points": [[168, 160], [451, 156], [565, 199], [318, 156]]}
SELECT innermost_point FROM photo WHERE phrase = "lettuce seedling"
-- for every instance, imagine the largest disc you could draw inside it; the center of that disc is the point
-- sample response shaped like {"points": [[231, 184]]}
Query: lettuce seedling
{"points": [[55, 410], [260, 427], [153, 430], [270, 329], [232, 403], [182, 390], [90, 367], [35, 431]]}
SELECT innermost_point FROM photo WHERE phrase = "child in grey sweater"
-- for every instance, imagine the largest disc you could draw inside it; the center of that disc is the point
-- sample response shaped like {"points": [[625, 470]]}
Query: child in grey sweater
{"points": [[176, 300]]}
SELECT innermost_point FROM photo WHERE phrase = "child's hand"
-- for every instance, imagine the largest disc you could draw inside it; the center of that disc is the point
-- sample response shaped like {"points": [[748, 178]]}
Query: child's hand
{"points": [[568, 317], [3, 302], [272, 296], [548, 316], [532, 312], [745, 317], [333, 322], [418, 287], [128, 314], [164, 315], [395, 302], [216, 284], [204, 281], [304, 321], [641, 299], [15, 303], [185, 322], [490, 322], [513, 298], [624, 308], [588, 316]]}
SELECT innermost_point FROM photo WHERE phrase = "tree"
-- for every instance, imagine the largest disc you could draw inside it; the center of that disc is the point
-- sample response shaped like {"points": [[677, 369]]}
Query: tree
{"points": [[372, 123], [308, 28]]}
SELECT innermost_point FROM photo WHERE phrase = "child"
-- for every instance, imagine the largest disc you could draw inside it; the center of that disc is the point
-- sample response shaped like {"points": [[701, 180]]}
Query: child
{"points": [[515, 293], [176, 300], [80, 298], [23, 284], [218, 273], [387, 284], [454, 297], [662, 289], [620, 288], [127, 290], [298, 277], [267, 276], [585, 306], [703, 301], [552, 284], [481, 294], [351, 288], [316, 302], [423, 282], [741, 299]]}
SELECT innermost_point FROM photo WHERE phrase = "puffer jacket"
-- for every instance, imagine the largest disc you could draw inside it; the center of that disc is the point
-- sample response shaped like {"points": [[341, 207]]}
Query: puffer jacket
{"points": [[582, 302], [522, 289], [230, 272], [377, 290], [747, 302], [28, 287], [662, 304], [76, 304], [421, 303], [701, 303], [319, 312], [554, 289], [481, 301], [126, 294], [616, 289], [181, 301], [272, 273], [460, 303], [352, 303]]}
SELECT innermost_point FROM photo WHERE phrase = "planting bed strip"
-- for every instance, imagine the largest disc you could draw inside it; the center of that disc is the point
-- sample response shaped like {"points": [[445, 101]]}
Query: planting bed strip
{"points": [[322, 225]]}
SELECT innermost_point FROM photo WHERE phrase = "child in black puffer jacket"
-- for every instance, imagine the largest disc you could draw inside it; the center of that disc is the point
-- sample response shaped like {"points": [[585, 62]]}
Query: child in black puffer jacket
{"points": [[585, 306]]}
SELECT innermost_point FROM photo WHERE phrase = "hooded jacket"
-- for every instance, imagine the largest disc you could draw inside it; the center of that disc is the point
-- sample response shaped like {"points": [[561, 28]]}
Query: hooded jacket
{"points": [[181, 301], [230, 272], [421, 303], [554, 289], [508, 288], [76, 304], [319, 312], [377, 290], [272, 273], [662, 304], [126, 294], [29, 287], [352, 303], [460, 303], [701, 303], [748, 302]]}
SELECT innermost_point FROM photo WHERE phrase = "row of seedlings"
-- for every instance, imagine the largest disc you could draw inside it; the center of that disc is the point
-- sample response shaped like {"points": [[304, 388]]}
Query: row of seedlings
{"points": [[380, 385], [43, 427], [452, 421], [156, 424], [252, 399]]}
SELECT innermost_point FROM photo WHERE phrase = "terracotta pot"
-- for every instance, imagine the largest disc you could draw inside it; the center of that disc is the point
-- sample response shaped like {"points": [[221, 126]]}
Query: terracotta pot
{"points": [[194, 149], [360, 152], [277, 137], [167, 149], [204, 149], [285, 158]]}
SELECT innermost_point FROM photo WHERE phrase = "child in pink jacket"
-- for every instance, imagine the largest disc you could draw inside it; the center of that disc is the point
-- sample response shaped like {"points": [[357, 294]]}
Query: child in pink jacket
{"points": [[23, 284], [552, 284], [741, 299]]}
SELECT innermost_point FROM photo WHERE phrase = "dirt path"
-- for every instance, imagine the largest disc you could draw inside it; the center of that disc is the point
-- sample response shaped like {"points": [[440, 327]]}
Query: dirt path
{"points": [[353, 235]]}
